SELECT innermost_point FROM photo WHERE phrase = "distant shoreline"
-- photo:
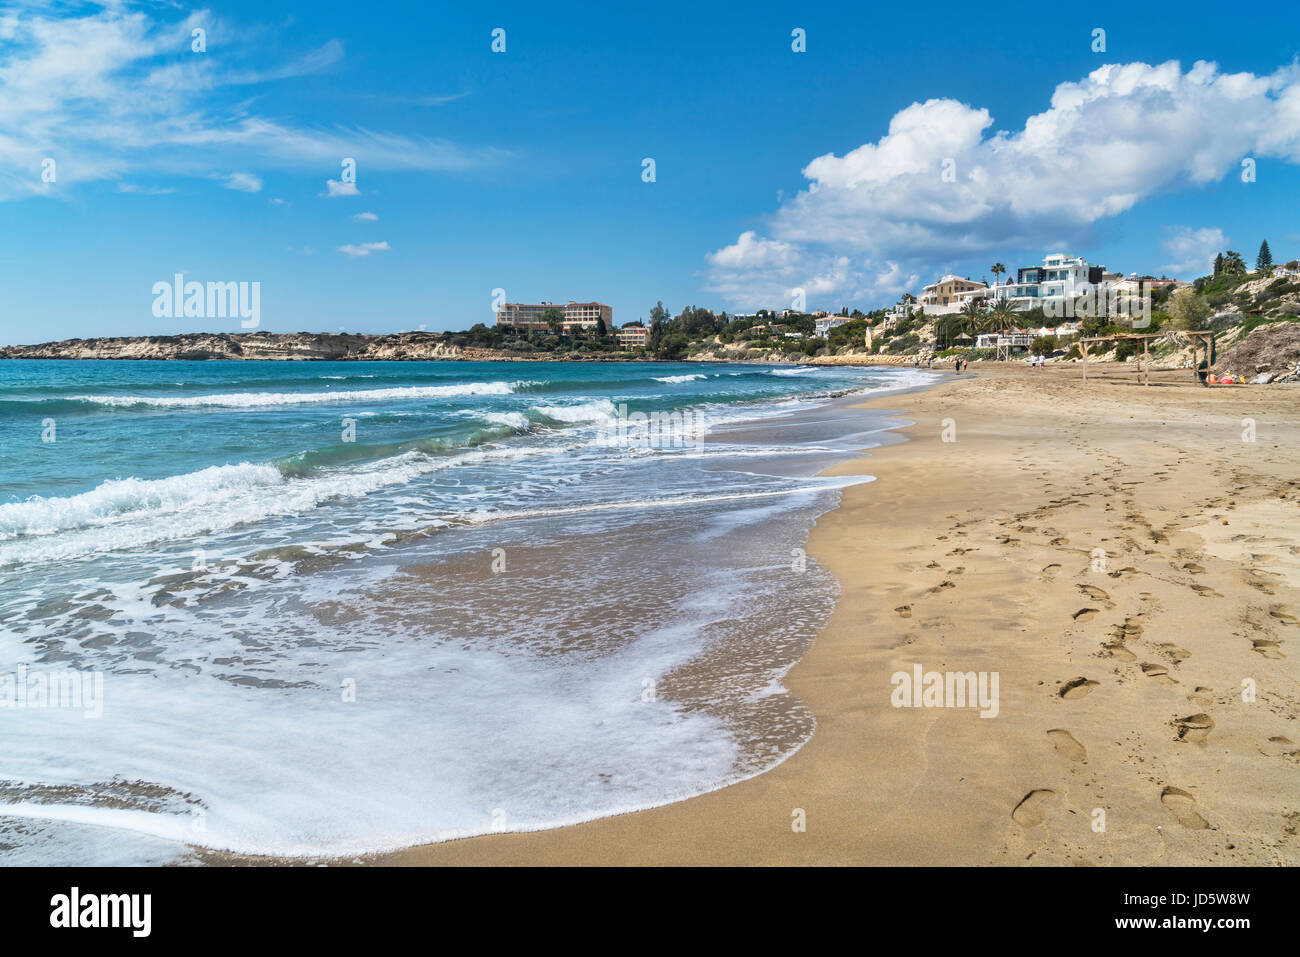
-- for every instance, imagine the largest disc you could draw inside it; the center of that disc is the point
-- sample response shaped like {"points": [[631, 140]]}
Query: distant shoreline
{"points": [[360, 347]]}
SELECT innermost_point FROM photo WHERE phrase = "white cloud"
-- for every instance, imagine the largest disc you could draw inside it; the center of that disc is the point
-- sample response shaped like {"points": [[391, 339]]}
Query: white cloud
{"points": [[145, 190], [111, 90], [365, 218], [364, 249], [244, 182], [1192, 251], [338, 188], [1124, 133]]}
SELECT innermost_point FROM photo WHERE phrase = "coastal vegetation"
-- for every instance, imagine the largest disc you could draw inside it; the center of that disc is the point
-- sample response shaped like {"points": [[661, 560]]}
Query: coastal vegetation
{"points": [[1231, 301]]}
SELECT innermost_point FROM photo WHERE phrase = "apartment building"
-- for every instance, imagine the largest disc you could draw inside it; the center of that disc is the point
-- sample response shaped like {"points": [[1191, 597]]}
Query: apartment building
{"points": [[582, 316], [633, 337], [950, 293]]}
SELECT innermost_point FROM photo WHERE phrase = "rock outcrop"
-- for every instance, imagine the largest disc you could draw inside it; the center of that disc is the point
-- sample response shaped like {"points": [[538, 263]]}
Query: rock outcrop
{"points": [[292, 346]]}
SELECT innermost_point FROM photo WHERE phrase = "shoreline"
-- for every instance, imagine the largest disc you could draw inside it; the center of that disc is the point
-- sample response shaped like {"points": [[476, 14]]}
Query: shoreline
{"points": [[883, 785]]}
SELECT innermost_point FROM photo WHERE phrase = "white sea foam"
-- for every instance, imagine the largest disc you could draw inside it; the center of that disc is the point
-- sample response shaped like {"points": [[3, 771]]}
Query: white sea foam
{"points": [[128, 513], [516, 420], [600, 410], [679, 378], [253, 400], [324, 777]]}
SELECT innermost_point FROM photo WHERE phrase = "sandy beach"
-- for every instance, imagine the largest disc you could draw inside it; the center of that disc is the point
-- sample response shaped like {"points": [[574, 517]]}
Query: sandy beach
{"points": [[1123, 558]]}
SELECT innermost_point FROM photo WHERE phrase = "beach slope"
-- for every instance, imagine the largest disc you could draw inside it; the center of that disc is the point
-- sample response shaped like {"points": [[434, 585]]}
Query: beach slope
{"points": [[1123, 558]]}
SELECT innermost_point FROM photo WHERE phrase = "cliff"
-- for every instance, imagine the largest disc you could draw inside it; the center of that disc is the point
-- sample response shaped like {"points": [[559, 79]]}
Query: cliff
{"points": [[291, 346]]}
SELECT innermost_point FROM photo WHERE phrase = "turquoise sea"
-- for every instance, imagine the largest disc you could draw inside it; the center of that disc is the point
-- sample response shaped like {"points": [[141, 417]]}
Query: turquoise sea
{"points": [[322, 609]]}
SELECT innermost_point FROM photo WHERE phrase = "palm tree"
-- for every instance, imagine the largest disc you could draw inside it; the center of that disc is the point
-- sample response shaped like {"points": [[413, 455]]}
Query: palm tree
{"points": [[971, 319], [1000, 315], [998, 270]]}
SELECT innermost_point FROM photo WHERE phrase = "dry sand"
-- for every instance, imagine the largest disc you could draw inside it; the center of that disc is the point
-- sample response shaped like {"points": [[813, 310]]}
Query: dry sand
{"points": [[980, 554]]}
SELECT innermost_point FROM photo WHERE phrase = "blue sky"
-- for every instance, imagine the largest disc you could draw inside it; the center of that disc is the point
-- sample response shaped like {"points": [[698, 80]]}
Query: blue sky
{"points": [[522, 170]]}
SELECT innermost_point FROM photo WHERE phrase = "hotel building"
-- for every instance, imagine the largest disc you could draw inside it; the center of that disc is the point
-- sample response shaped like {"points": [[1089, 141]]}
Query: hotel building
{"points": [[577, 315]]}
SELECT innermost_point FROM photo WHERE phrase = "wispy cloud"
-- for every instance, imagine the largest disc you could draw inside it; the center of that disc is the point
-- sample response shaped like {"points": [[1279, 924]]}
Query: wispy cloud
{"points": [[114, 90], [365, 218], [1192, 251], [364, 249], [336, 188], [145, 190], [244, 182]]}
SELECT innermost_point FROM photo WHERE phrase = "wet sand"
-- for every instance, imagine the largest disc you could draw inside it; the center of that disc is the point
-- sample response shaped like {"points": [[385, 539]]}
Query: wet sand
{"points": [[1123, 560]]}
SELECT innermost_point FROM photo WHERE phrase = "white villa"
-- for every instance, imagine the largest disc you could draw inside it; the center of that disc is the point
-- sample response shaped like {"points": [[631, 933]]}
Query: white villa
{"points": [[1060, 279], [824, 325]]}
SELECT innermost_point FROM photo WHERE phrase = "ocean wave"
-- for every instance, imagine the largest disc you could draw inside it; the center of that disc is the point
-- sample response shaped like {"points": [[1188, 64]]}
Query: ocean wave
{"points": [[252, 400], [119, 500], [680, 378], [600, 410]]}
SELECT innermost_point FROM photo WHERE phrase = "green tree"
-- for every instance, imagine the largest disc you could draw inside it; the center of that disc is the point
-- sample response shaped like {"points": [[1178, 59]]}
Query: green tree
{"points": [[1233, 264], [1218, 264], [554, 319], [602, 330], [1264, 261], [998, 270], [1187, 310]]}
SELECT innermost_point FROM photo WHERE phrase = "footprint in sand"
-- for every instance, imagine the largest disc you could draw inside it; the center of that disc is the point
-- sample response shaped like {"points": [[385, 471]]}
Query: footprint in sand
{"points": [[1066, 745], [942, 586], [1130, 630], [1269, 649], [1051, 569], [1194, 728], [1116, 650], [1194, 568], [1093, 592], [1178, 655], [1159, 672], [1202, 696], [1280, 746], [1205, 591], [904, 610], [1281, 614], [1183, 805], [1076, 688], [1085, 614], [1032, 809]]}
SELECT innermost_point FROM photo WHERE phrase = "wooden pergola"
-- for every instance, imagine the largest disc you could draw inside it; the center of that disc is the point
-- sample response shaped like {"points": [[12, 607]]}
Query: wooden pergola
{"points": [[1144, 363]]}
